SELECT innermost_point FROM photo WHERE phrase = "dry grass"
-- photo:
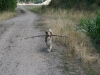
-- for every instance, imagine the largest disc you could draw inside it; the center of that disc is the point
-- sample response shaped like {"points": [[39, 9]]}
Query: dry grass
{"points": [[64, 22], [6, 15]]}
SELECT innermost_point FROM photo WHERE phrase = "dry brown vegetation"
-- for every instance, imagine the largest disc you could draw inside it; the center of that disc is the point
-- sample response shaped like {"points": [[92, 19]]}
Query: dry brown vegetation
{"points": [[6, 15], [64, 22]]}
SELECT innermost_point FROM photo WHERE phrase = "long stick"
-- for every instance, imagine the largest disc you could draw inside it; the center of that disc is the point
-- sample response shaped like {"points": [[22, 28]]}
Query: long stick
{"points": [[60, 36], [46, 35], [35, 36]]}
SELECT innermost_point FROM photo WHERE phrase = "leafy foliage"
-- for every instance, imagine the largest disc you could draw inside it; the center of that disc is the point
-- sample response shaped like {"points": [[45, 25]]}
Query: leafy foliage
{"points": [[78, 4], [92, 28], [7, 5]]}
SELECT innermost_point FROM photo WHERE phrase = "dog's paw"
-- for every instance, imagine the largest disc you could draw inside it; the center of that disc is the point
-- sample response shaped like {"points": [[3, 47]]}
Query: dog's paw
{"points": [[49, 50]]}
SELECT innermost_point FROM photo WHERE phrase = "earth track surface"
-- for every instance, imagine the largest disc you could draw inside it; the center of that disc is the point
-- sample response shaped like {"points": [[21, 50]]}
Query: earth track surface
{"points": [[20, 56]]}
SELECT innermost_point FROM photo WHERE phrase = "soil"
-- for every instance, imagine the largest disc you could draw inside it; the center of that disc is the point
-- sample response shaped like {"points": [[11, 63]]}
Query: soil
{"points": [[20, 56]]}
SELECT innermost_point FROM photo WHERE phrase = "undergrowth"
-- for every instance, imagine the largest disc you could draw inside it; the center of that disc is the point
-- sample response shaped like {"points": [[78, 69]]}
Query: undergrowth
{"points": [[65, 22], [92, 28], [76, 4]]}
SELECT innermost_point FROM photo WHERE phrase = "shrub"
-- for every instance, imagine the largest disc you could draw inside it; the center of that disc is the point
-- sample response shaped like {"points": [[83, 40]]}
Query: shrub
{"points": [[7, 5], [0, 5], [92, 28], [78, 4]]}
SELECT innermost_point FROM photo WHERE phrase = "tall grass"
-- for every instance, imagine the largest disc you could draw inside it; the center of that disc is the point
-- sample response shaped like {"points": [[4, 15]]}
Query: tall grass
{"points": [[6, 15], [65, 22]]}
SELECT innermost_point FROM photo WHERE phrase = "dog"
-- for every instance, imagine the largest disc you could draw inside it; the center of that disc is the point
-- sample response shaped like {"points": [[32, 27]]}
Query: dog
{"points": [[48, 40]]}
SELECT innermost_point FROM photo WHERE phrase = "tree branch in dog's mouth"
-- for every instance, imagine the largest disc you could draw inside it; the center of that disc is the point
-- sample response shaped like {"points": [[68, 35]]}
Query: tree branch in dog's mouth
{"points": [[46, 35]]}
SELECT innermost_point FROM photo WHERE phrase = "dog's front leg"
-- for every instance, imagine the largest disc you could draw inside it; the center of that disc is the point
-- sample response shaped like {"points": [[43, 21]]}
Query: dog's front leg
{"points": [[49, 48]]}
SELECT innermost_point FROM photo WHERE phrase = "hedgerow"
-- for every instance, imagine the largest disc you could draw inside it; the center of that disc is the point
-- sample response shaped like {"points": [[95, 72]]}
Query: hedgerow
{"points": [[7, 5], [92, 28], [77, 4]]}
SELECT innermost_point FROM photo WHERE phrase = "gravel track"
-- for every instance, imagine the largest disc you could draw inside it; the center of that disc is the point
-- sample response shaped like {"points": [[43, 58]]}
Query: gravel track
{"points": [[20, 56]]}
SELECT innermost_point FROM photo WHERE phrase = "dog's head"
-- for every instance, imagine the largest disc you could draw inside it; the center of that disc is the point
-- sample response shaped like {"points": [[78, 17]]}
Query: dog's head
{"points": [[48, 33]]}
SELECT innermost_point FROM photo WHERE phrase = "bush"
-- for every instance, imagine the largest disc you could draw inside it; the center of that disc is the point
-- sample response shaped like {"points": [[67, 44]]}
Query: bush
{"points": [[78, 4], [92, 28], [7, 5], [0, 5]]}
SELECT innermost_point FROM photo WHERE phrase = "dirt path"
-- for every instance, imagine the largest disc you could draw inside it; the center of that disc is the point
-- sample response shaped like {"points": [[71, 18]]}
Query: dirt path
{"points": [[19, 56]]}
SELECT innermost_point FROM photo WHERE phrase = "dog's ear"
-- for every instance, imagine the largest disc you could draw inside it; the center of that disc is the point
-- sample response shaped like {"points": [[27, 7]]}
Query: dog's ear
{"points": [[46, 33]]}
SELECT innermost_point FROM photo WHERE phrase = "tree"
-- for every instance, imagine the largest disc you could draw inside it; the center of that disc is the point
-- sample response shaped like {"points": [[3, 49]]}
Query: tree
{"points": [[8, 5], [0, 5], [78, 4]]}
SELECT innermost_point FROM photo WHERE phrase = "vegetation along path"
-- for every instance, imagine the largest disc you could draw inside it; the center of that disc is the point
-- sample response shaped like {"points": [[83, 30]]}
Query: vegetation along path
{"points": [[20, 56]]}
